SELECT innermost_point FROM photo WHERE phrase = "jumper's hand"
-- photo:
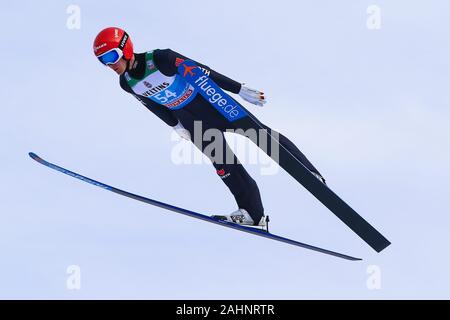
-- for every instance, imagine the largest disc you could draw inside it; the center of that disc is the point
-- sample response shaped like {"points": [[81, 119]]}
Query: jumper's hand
{"points": [[252, 95], [182, 132]]}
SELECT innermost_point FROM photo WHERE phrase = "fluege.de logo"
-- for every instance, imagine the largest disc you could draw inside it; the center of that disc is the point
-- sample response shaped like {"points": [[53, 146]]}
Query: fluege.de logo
{"points": [[216, 98]]}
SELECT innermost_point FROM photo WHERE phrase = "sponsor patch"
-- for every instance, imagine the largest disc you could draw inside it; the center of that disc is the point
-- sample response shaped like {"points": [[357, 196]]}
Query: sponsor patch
{"points": [[178, 61], [150, 65]]}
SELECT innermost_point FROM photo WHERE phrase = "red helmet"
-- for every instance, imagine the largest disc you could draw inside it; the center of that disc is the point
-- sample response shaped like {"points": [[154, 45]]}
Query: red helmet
{"points": [[113, 38]]}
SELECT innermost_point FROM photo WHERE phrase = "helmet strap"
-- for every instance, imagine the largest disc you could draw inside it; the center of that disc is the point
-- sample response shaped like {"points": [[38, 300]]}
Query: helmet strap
{"points": [[123, 41]]}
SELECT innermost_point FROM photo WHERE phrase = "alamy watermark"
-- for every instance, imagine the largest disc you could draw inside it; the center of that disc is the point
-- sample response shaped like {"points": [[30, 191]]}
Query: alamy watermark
{"points": [[215, 147], [374, 280], [73, 21], [373, 21], [73, 281]]}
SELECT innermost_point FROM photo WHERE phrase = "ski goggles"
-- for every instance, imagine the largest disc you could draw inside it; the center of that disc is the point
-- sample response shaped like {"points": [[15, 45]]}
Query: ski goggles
{"points": [[111, 56]]}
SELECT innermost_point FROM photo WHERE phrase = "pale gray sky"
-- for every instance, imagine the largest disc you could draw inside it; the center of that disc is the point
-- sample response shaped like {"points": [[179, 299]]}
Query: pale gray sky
{"points": [[370, 108]]}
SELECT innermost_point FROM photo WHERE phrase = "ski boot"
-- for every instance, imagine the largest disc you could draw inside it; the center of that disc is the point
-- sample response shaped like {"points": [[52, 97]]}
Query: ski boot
{"points": [[243, 218]]}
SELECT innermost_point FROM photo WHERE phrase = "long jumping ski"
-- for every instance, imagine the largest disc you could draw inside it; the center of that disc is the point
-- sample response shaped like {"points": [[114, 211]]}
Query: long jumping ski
{"points": [[235, 112], [189, 213]]}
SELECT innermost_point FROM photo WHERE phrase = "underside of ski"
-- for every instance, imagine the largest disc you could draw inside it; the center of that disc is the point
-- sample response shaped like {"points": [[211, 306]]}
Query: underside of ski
{"points": [[192, 214]]}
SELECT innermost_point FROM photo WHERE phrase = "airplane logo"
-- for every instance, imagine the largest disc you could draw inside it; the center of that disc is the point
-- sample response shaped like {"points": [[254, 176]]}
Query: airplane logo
{"points": [[188, 70]]}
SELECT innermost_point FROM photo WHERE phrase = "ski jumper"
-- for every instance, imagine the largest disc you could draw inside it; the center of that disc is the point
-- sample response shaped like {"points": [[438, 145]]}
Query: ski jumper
{"points": [[154, 81]]}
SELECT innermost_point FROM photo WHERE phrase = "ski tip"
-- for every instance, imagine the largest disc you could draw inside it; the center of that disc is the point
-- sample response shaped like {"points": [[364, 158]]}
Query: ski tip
{"points": [[33, 155]]}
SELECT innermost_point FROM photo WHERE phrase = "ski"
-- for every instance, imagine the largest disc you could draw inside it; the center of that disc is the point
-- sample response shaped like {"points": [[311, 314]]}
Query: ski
{"points": [[189, 213], [234, 112]]}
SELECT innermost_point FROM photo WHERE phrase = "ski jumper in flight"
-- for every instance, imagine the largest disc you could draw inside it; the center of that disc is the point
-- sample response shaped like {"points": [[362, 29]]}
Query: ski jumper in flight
{"points": [[152, 77]]}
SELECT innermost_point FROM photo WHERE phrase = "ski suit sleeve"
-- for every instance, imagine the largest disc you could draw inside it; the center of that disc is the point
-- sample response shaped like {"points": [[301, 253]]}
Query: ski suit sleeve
{"points": [[162, 112], [168, 62]]}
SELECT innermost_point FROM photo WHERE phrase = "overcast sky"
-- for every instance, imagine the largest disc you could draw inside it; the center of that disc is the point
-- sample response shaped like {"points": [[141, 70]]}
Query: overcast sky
{"points": [[369, 107]]}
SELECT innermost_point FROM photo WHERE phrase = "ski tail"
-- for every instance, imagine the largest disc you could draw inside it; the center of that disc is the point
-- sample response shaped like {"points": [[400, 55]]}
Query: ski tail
{"points": [[330, 199]]}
